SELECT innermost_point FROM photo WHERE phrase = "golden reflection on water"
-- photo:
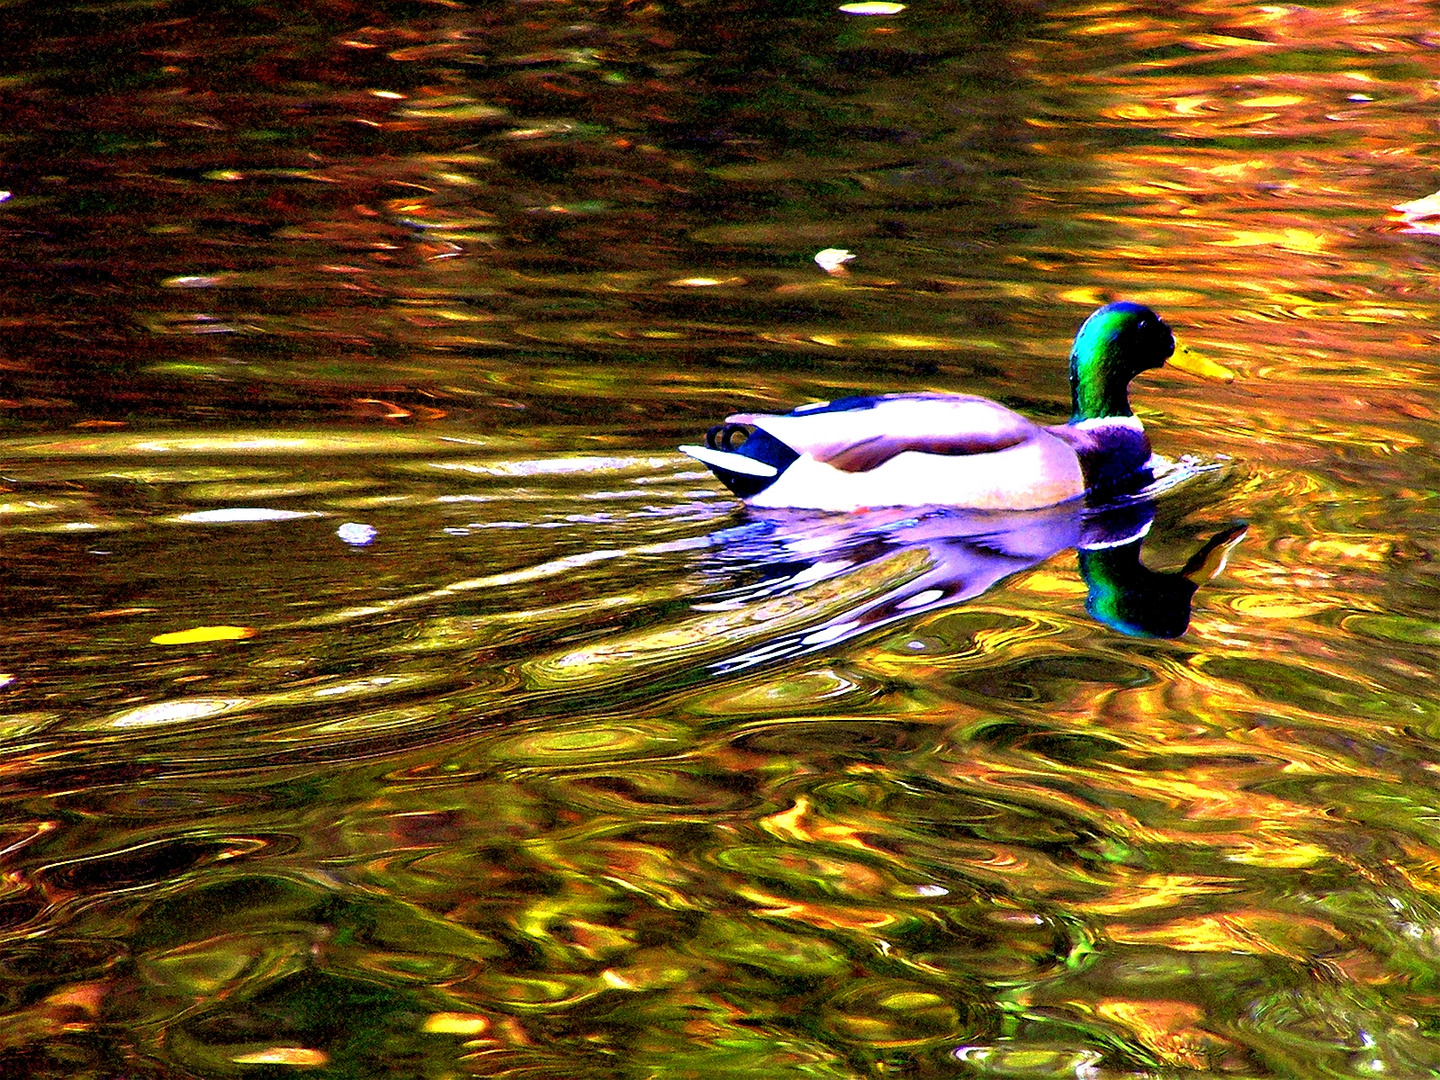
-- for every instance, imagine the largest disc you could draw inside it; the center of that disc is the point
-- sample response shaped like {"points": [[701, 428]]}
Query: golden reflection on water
{"points": [[472, 792], [1024, 800]]}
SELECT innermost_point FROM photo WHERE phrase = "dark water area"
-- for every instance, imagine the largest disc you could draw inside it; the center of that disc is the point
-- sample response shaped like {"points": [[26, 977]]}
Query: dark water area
{"points": [[382, 695]]}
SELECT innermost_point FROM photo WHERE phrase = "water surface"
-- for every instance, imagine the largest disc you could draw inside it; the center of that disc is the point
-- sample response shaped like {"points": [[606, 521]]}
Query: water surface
{"points": [[382, 695]]}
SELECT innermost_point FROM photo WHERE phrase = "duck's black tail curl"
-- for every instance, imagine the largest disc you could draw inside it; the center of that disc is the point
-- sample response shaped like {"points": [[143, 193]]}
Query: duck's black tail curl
{"points": [[756, 445]]}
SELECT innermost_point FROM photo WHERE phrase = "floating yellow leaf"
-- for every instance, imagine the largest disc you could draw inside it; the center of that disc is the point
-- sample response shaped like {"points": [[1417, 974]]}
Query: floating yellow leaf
{"points": [[456, 1023], [1235, 168], [199, 634], [1277, 853], [1138, 112], [1271, 101], [1287, 239]]}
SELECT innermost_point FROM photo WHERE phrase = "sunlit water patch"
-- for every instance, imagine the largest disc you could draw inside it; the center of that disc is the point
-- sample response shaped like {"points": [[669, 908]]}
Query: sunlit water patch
{"points": [[381, 693], [557, 754]]}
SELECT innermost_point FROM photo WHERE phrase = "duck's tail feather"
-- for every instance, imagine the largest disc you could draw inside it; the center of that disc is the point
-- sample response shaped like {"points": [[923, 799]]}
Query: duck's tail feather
{"points": [[749, 468]]}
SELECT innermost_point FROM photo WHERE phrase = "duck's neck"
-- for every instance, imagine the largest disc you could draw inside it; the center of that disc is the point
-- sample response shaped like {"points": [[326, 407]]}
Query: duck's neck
{"points": [[1095, 394], [1129, 597], [1105, 434], [1099, 374]]}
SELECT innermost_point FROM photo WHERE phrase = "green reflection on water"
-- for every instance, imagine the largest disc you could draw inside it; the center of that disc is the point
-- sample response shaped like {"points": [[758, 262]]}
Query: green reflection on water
{"points": [[474, 799]]}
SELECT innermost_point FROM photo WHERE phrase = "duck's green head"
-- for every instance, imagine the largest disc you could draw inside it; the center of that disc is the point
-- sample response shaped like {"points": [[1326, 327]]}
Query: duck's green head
{"points": [[1114, 345]]}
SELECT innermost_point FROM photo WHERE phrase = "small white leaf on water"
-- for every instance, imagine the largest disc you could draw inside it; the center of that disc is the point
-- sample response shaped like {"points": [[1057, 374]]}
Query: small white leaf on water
{"points": [[353, 532], [833, 260]]}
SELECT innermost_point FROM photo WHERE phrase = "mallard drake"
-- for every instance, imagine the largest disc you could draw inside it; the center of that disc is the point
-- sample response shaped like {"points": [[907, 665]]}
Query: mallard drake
{"points": [[931, 449]]}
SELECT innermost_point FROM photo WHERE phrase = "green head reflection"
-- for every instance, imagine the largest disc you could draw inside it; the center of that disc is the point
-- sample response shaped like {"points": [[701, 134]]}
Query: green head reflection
{"points": [[1126, 595]]}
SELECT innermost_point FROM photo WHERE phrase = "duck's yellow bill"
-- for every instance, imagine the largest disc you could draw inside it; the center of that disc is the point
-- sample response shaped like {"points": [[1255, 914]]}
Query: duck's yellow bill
{"points": [[1187, 359]]}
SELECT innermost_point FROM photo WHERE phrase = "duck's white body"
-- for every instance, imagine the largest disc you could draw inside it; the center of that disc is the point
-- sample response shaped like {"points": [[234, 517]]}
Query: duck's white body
{"points": [[923, 450], [1046, 469]]}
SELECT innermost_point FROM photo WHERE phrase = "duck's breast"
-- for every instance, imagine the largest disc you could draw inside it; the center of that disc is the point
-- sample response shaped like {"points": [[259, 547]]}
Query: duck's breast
{"points": [[1113, 451]]}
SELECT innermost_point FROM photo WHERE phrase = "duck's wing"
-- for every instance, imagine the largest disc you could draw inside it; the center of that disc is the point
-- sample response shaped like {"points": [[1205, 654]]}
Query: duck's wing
{"points": [[859, 434]]}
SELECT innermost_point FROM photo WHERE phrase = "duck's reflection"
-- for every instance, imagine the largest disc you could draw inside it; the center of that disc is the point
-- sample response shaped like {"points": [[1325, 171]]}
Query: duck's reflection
{"points": [[863, 571]]}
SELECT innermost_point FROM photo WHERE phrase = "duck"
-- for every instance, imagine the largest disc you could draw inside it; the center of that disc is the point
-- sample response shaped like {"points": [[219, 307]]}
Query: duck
{"points": [[958, 450]]}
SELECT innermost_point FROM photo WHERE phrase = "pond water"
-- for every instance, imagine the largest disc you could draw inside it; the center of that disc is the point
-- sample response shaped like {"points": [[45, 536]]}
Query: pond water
{"points": [[382, 694]]}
